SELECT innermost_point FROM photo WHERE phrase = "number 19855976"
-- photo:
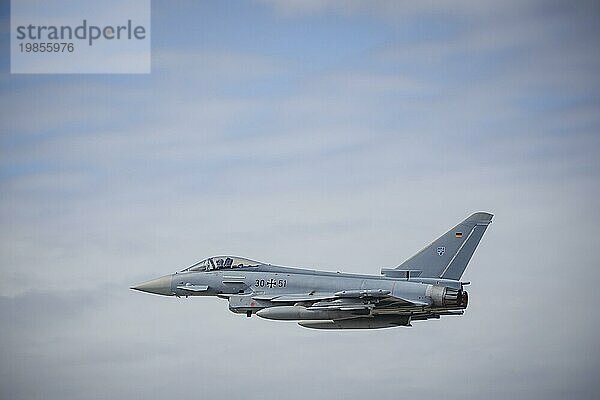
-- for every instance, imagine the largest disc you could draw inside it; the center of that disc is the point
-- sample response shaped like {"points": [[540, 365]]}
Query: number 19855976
{"points": [[46, 47]]}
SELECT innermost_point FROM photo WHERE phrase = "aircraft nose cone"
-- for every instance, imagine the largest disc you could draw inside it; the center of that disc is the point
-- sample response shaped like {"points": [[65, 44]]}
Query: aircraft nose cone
{"points": [[161, 285]]}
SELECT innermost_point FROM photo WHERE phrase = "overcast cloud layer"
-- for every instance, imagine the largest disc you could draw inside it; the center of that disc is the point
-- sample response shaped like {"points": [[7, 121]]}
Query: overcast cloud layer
{"points": [[342, 135]]}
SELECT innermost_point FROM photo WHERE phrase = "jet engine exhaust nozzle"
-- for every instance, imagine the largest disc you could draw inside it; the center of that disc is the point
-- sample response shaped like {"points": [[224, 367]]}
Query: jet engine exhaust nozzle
{"points": [[447, 297]]}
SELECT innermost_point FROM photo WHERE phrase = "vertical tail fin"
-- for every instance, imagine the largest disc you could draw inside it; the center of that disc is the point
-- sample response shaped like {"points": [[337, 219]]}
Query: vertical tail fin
{"points": [[447, 257]]}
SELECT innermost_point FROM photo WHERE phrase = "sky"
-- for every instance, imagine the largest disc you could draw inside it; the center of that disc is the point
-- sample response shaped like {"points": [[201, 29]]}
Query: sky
{"points": [[340, 135]]}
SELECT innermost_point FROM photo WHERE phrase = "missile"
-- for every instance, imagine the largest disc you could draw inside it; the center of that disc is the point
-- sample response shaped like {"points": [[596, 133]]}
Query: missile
{"points": [[294, 313], [362, 293], [383, 321]]}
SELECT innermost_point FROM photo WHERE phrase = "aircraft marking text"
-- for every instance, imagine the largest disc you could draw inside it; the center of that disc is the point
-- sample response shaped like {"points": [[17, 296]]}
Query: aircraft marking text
{"points": [[271, 283]]}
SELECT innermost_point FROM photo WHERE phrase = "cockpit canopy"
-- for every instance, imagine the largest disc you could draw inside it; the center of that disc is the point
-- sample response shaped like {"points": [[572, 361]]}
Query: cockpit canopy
{"points": [[221, 262]]}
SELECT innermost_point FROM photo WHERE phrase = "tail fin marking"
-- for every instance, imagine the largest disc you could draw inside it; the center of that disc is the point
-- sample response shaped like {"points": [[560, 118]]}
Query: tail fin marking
{"points": [[447, 257]]}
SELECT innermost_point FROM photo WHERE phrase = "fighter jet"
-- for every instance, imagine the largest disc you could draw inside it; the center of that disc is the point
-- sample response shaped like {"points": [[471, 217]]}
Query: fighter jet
{"points": [[426, 286]]}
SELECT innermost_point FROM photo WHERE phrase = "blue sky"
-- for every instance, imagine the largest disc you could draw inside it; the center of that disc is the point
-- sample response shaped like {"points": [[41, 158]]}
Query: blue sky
{"points": [[343, 135]]}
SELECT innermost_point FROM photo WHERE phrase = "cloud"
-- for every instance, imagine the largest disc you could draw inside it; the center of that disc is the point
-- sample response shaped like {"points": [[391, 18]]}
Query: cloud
{"points": [[110, 180], [389, 9]]}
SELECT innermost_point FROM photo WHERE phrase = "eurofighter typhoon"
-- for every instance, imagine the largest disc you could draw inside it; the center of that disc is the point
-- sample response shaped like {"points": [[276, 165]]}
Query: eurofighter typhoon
{"points": [[426, 286]]}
